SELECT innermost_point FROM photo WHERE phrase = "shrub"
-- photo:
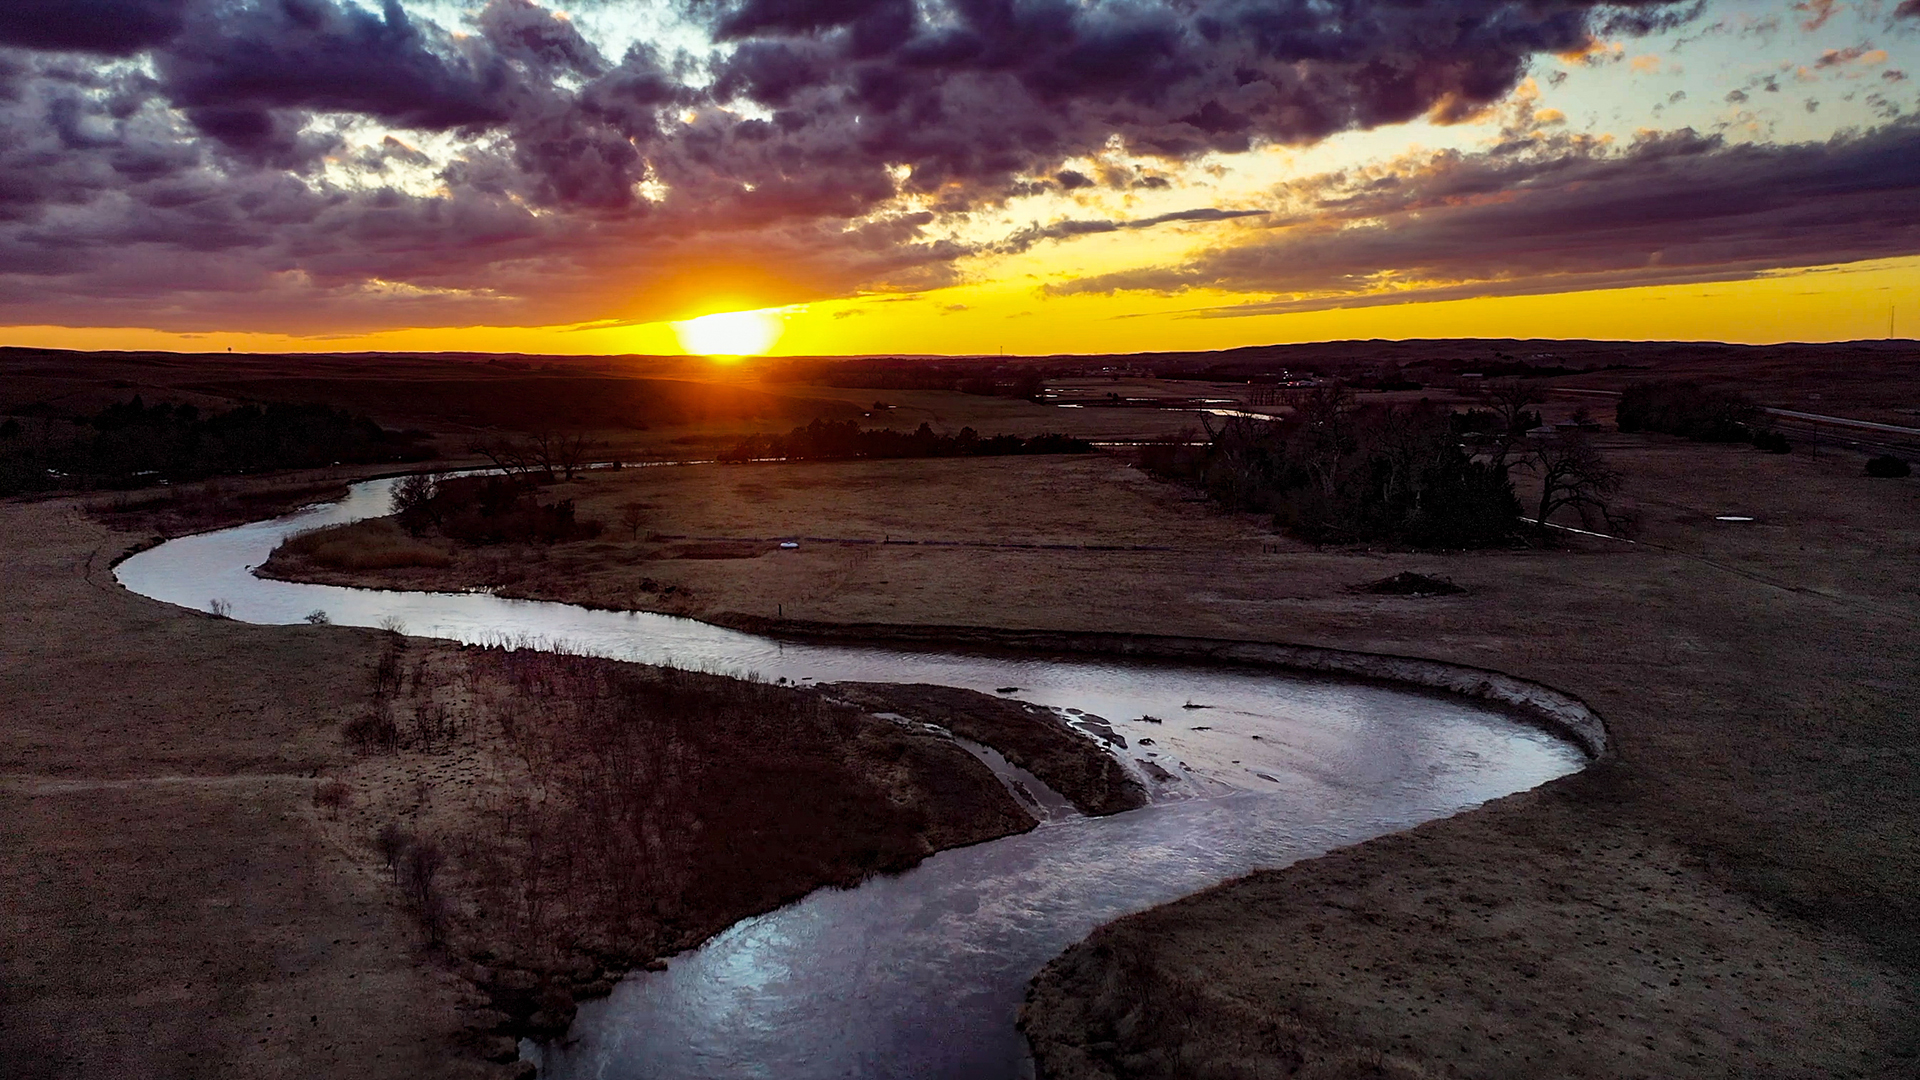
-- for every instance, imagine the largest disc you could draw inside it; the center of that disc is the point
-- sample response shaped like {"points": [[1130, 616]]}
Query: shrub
{"points": [[1772, 442], [417, 870], [500, 509], [372, 731], [412, 501], [331, 795], [391, 841], [1886, 465]]}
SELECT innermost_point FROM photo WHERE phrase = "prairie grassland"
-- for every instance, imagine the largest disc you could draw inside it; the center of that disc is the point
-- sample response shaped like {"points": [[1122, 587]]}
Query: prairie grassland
{"points": [[1733, 885]]}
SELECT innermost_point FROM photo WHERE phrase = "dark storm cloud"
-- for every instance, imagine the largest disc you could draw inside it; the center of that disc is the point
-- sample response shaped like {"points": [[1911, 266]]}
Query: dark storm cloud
{"points": [[238, 59], [1674, 208], [218, 172], [112, 27], [1004, 88]]}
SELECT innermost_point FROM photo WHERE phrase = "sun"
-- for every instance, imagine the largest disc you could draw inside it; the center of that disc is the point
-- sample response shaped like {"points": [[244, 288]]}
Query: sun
{"points": [[731, 333]]}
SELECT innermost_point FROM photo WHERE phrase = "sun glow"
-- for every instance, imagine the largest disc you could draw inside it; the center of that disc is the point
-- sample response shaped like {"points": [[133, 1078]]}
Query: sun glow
{"points": [[731, 333]]}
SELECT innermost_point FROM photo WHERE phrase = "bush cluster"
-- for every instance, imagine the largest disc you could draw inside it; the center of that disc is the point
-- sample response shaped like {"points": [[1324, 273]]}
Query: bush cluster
{"points": [[828, 440], [362, 545], [487, 510]]}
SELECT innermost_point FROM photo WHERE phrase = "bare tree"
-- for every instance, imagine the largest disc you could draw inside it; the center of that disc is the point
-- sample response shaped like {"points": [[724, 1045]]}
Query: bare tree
{"points": [[513, 457], [1327, 433], [1572, 473], [562, 452], [1509, 399], [543, 452], [411, 500], [633, 515]]}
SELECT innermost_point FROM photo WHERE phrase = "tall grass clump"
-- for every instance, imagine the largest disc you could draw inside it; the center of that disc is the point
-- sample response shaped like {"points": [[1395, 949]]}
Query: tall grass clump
{"points": [[375, 544]]}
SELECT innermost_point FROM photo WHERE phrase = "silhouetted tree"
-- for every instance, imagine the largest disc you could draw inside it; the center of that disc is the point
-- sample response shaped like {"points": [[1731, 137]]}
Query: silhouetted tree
{"points": [[412, 501], [1572, 473]]}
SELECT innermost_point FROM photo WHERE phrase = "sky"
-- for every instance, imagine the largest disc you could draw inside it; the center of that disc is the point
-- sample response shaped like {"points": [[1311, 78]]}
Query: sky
{"points": [[952, 176]]}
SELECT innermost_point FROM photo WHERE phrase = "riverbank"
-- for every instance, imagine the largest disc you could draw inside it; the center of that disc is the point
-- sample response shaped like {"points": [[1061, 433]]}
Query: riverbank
{"points": [[1750, 835], [550, 822]]}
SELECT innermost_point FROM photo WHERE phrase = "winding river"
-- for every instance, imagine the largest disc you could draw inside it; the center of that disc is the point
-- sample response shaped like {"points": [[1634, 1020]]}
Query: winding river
{"points": [[921, 974]]}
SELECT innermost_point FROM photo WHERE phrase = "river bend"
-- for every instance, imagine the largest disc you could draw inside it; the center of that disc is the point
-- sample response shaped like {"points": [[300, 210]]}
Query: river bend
{"points": [[921, 974]]}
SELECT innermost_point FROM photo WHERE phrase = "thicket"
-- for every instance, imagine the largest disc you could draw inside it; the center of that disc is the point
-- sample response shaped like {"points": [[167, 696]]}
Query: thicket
{"points": [[133, 444], [828, 440], [1696, 412], [487, 510], [1336, 472]]}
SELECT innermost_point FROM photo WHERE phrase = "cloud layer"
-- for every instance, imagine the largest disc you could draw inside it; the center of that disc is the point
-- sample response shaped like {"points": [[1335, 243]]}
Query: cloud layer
{"points": [[1560, 214], [317, 165]]}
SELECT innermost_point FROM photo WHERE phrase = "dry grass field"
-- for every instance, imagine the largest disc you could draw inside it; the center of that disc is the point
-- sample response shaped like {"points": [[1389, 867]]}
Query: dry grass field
{"points": [[1752, 835], [172, 907], [1729, 893]]}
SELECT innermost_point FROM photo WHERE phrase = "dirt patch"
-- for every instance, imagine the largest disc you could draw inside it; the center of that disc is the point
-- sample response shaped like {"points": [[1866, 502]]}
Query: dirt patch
{"points": [[1029, 736]]}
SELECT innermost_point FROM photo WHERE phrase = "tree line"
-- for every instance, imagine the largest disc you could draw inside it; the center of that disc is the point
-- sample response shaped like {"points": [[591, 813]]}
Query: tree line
{"points": [[830, 440], [1337, 471], [1693, 411], [132, 444]]}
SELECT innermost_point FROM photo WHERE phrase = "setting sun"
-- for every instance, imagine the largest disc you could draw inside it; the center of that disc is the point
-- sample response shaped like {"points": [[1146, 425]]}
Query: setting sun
{"points": [[730, 333]]}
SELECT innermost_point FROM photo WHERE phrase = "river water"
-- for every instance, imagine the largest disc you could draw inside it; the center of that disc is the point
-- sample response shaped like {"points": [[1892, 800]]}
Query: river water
{"points": [[921, 974]]}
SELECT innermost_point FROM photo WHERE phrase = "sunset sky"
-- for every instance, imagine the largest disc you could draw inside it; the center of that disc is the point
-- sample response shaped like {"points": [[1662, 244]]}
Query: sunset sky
{"points": [[948, 176]]}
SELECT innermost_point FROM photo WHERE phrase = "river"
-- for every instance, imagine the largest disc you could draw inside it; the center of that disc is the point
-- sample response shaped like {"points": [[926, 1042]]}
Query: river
{"points": [[921, 974]]}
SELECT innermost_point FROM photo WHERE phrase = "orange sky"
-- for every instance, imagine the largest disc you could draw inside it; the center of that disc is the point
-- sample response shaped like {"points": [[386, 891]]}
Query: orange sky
{"points": [[1822, 304]]}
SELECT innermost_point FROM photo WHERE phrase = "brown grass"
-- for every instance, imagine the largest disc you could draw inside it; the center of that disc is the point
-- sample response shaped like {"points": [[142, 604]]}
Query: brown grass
{"points": [[594, 815], [1730, 894], [375, 544]]}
